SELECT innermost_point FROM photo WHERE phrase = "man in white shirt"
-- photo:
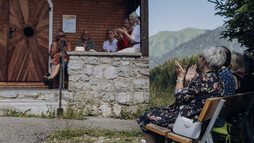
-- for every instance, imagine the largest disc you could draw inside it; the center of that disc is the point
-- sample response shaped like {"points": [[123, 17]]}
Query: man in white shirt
{"points": [[111, 44]]}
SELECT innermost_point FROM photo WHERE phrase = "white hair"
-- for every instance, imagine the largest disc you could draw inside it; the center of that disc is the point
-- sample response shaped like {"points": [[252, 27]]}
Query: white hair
{"points": [[215, 57], [237, 63], [134, 16]]}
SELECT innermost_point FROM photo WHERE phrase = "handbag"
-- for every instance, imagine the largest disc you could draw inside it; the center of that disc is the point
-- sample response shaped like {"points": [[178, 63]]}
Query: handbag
{"points": [[187, 127]]}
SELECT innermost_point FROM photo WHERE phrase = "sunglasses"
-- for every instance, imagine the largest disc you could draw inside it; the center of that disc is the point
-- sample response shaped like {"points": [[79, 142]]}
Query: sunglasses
{"points": [[110, 33], [201, 57], [61, 36]]}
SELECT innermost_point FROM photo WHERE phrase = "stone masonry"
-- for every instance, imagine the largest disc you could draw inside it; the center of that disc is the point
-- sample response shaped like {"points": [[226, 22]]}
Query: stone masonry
{"points": [[106, 84], [100, 84]]}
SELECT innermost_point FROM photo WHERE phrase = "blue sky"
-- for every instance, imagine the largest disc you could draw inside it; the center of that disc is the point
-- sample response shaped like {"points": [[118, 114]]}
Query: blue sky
{"points": [[174, 15]]}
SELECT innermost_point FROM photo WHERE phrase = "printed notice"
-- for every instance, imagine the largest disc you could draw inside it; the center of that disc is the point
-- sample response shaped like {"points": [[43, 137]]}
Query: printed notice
{"points": [[69, 23]]}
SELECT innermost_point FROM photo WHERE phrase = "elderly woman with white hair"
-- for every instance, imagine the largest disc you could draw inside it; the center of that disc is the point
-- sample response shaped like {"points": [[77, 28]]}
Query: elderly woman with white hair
{"points": [[134, 38], [191, 98]]}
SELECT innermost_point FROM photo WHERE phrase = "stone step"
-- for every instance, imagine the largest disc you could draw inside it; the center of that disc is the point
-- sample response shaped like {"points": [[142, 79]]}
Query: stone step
{"points": [[34, 94], [37, 106]]}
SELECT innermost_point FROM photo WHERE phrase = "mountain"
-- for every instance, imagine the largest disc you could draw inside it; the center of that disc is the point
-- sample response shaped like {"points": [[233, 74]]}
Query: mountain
{"points": [[166, 41], [196, 46]]}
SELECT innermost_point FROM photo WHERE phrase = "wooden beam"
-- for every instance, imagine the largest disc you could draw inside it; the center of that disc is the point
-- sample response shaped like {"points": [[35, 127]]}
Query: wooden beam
{"points": [[158, 129], [144, 49], [179, 138], [23, 84]]}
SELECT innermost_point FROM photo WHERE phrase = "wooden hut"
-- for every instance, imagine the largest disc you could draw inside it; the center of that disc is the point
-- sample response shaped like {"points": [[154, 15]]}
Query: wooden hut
{"points": [[28, 27]]}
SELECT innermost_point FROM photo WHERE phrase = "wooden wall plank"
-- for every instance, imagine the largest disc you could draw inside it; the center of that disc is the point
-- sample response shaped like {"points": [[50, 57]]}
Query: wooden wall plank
{"points": [[3, 38]]}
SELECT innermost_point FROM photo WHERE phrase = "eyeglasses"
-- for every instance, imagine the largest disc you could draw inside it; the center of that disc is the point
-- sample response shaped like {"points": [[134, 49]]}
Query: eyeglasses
{"points": [[110, 33], [61, 36], [201, 57]]}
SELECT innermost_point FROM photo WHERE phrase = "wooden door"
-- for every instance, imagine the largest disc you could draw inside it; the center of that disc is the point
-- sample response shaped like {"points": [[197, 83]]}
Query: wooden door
{"points": [[27, 46], [3, 38]]}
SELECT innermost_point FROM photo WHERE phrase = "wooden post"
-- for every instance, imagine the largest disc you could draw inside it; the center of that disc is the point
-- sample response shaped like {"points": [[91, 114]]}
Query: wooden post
{"points": [[144, 28]]}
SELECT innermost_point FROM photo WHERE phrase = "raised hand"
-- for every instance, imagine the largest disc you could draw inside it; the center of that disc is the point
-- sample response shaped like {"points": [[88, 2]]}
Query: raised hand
{"points": [[191, 73], [179, 70], [123, 30]]}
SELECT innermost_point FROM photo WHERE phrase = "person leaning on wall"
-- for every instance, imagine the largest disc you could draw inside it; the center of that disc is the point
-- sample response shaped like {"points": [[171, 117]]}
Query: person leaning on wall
{"points": [[85, 41], [55, 51]]}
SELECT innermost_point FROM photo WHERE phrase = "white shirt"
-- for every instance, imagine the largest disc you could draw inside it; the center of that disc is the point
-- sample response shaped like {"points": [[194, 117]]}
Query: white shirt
{"points": [[135, 35], [112, 47]]}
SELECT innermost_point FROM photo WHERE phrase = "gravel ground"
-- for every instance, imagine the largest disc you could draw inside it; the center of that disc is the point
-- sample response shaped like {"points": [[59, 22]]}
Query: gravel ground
{"points": [[36, 130]]}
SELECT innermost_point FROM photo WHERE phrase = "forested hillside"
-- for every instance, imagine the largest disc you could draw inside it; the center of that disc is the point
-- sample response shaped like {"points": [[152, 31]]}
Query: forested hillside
{"points": [[165, 41], [195, 46]]}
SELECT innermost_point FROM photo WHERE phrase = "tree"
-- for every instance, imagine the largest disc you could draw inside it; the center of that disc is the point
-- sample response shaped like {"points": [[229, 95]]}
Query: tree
{"points": [[239, 21]]}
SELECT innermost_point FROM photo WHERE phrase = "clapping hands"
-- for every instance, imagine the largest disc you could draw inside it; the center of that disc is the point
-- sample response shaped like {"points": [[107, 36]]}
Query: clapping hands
{"points": [[179, 70], [191, 73], [123, 30]]}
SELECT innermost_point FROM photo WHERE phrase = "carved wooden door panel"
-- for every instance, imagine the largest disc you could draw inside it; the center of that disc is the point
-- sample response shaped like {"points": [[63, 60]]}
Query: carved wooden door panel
{"points": [[4, 12], [27, 53]]}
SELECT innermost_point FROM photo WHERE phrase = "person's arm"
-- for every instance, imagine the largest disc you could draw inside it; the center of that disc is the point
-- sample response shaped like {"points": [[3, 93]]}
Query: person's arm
{"points": [[92, 46], [118, 34], [78, 43], [125, 32], [104, 49], [236, 82], [188, 93], [180, 75]]}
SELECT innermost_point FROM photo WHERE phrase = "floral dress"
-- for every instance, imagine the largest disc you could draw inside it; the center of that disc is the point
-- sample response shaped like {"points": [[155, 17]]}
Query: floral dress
{"points": [[191, 99], [56, 58]]}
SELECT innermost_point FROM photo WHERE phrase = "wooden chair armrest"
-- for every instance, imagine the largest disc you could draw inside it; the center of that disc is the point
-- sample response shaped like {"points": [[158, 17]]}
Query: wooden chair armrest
{"points": [[179, 138], [158, 129]]}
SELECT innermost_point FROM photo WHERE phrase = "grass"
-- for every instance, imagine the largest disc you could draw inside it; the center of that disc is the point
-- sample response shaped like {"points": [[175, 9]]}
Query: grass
{"points": [[161, 98], [14, 113], [50, 114], [90, 136]]}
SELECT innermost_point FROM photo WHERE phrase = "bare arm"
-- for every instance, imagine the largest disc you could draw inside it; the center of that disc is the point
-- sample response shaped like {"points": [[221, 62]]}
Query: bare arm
{"points": [[128, 36], [236, 82], [118, 34], [180, 75]]}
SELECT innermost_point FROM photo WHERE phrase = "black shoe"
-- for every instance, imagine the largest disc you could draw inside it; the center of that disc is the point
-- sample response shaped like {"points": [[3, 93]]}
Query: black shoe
{"points": [[50, 83], [45, 80]]}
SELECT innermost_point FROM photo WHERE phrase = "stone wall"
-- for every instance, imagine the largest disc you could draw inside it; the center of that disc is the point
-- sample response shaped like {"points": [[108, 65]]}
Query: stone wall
{"points": [[107, 84]]}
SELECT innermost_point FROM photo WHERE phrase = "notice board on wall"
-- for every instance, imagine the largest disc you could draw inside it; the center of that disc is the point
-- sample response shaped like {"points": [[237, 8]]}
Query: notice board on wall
{"points": [[69, 23]]}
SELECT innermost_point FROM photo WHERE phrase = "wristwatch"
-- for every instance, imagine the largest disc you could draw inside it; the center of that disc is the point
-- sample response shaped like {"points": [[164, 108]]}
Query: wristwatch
{"points": [[178, 90]]}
